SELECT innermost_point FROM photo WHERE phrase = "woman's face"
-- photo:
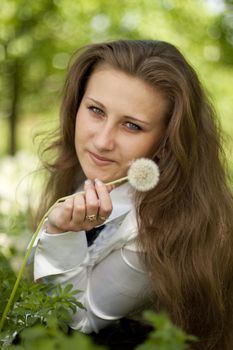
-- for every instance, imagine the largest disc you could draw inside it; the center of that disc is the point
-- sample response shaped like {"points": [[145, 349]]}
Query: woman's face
{"points": [[120, 118]]}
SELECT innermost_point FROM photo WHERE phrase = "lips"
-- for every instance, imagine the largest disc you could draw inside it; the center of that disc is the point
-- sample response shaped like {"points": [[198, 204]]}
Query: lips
{"points": [[100, 160]]}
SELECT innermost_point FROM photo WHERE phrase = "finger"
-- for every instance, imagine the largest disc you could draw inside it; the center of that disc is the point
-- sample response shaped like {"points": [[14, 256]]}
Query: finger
{"points": [[92, 201], [105, 202], [110, 187], [61, 215], [79, 210]]}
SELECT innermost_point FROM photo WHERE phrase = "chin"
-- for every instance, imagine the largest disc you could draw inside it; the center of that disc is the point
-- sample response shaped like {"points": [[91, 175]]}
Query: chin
{"points": [[97, 175]]}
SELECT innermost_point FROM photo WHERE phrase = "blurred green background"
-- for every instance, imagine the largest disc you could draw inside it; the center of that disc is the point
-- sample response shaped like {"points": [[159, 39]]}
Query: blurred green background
{"points": [[37, 39]]}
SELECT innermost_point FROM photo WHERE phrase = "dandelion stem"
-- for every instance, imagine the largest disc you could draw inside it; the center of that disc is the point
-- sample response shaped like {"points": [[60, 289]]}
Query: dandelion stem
{"points": [[115, 182]]}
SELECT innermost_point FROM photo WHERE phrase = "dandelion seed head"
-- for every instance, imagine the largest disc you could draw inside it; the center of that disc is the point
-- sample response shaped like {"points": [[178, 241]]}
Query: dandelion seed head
{"points": [[143, 174]]}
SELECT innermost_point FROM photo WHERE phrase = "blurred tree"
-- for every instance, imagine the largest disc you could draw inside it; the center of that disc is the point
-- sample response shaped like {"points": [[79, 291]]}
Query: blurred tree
{"points": [[24, 37], [37, 39], [223, 29]]}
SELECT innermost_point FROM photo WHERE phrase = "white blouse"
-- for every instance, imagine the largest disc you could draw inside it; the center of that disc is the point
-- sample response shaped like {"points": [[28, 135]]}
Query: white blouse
{"points": [[109, 273]]}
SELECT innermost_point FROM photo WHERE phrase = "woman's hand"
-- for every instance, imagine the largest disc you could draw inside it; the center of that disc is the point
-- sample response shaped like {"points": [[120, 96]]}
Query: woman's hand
{"points": [[82, 211]]}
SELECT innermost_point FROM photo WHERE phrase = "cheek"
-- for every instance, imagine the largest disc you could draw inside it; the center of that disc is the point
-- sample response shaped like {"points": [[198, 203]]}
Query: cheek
{"points": [[82, 129], [144, 146], [149, 147], [79, 133], [153, 141], [147, 143]]}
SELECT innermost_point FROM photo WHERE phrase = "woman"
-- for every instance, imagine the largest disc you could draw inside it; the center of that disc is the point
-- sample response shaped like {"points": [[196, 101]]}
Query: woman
{"points": [[170, 248]]}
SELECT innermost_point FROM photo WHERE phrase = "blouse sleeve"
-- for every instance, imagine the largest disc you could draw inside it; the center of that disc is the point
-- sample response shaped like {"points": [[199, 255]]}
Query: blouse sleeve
{"points": [[111, 289]]}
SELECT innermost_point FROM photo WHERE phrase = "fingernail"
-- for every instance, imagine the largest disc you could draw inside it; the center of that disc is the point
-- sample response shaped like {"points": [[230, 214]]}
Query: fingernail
{"points": [[98, 182], [88, 182]]}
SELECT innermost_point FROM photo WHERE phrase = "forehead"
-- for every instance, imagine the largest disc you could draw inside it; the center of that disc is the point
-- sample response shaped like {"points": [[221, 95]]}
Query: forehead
{"points": [[112, 86]]}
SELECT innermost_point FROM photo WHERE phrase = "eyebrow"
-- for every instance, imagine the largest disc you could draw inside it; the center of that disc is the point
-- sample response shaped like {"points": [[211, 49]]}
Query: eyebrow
{"points": [[126, 116]]}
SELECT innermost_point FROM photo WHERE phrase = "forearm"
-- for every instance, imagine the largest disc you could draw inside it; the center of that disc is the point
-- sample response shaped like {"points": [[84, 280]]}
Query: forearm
{"points": [[59, 253]]}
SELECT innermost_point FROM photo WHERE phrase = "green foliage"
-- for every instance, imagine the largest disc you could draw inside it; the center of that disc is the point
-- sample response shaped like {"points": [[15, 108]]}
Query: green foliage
{"points": [[7, 278], [52, 338], [41, 313], [34, 304], [165, 335], [15, 224]]}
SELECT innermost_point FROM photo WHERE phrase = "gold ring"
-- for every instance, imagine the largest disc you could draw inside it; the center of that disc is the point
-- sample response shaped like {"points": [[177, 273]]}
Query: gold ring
{"points": [[103, 218], [91, 218]]}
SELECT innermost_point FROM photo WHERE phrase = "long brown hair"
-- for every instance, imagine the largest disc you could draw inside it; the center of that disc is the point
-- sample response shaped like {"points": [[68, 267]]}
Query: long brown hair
{"points": [[187, 233]]}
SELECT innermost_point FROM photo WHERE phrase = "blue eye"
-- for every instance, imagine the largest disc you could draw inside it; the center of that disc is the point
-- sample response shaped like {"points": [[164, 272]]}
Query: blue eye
{"points": [[132, 126], [95, 110]]}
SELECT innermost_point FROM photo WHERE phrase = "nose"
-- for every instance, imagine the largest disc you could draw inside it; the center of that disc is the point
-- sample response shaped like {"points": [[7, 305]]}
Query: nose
{"points": [[105, 137]]}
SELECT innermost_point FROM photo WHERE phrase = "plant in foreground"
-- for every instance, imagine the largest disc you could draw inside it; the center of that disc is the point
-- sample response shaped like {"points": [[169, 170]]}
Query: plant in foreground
{"points": [[165, 336], [41, 313], [36, 304], [50, 336]]}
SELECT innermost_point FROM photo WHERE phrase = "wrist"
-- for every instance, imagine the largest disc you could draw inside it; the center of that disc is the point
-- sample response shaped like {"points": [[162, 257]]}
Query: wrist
{"points": [[52, 229]]}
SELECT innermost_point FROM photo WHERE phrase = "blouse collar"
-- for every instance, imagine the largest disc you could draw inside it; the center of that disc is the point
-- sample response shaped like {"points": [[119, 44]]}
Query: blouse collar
{"points": [[122, 201]]}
